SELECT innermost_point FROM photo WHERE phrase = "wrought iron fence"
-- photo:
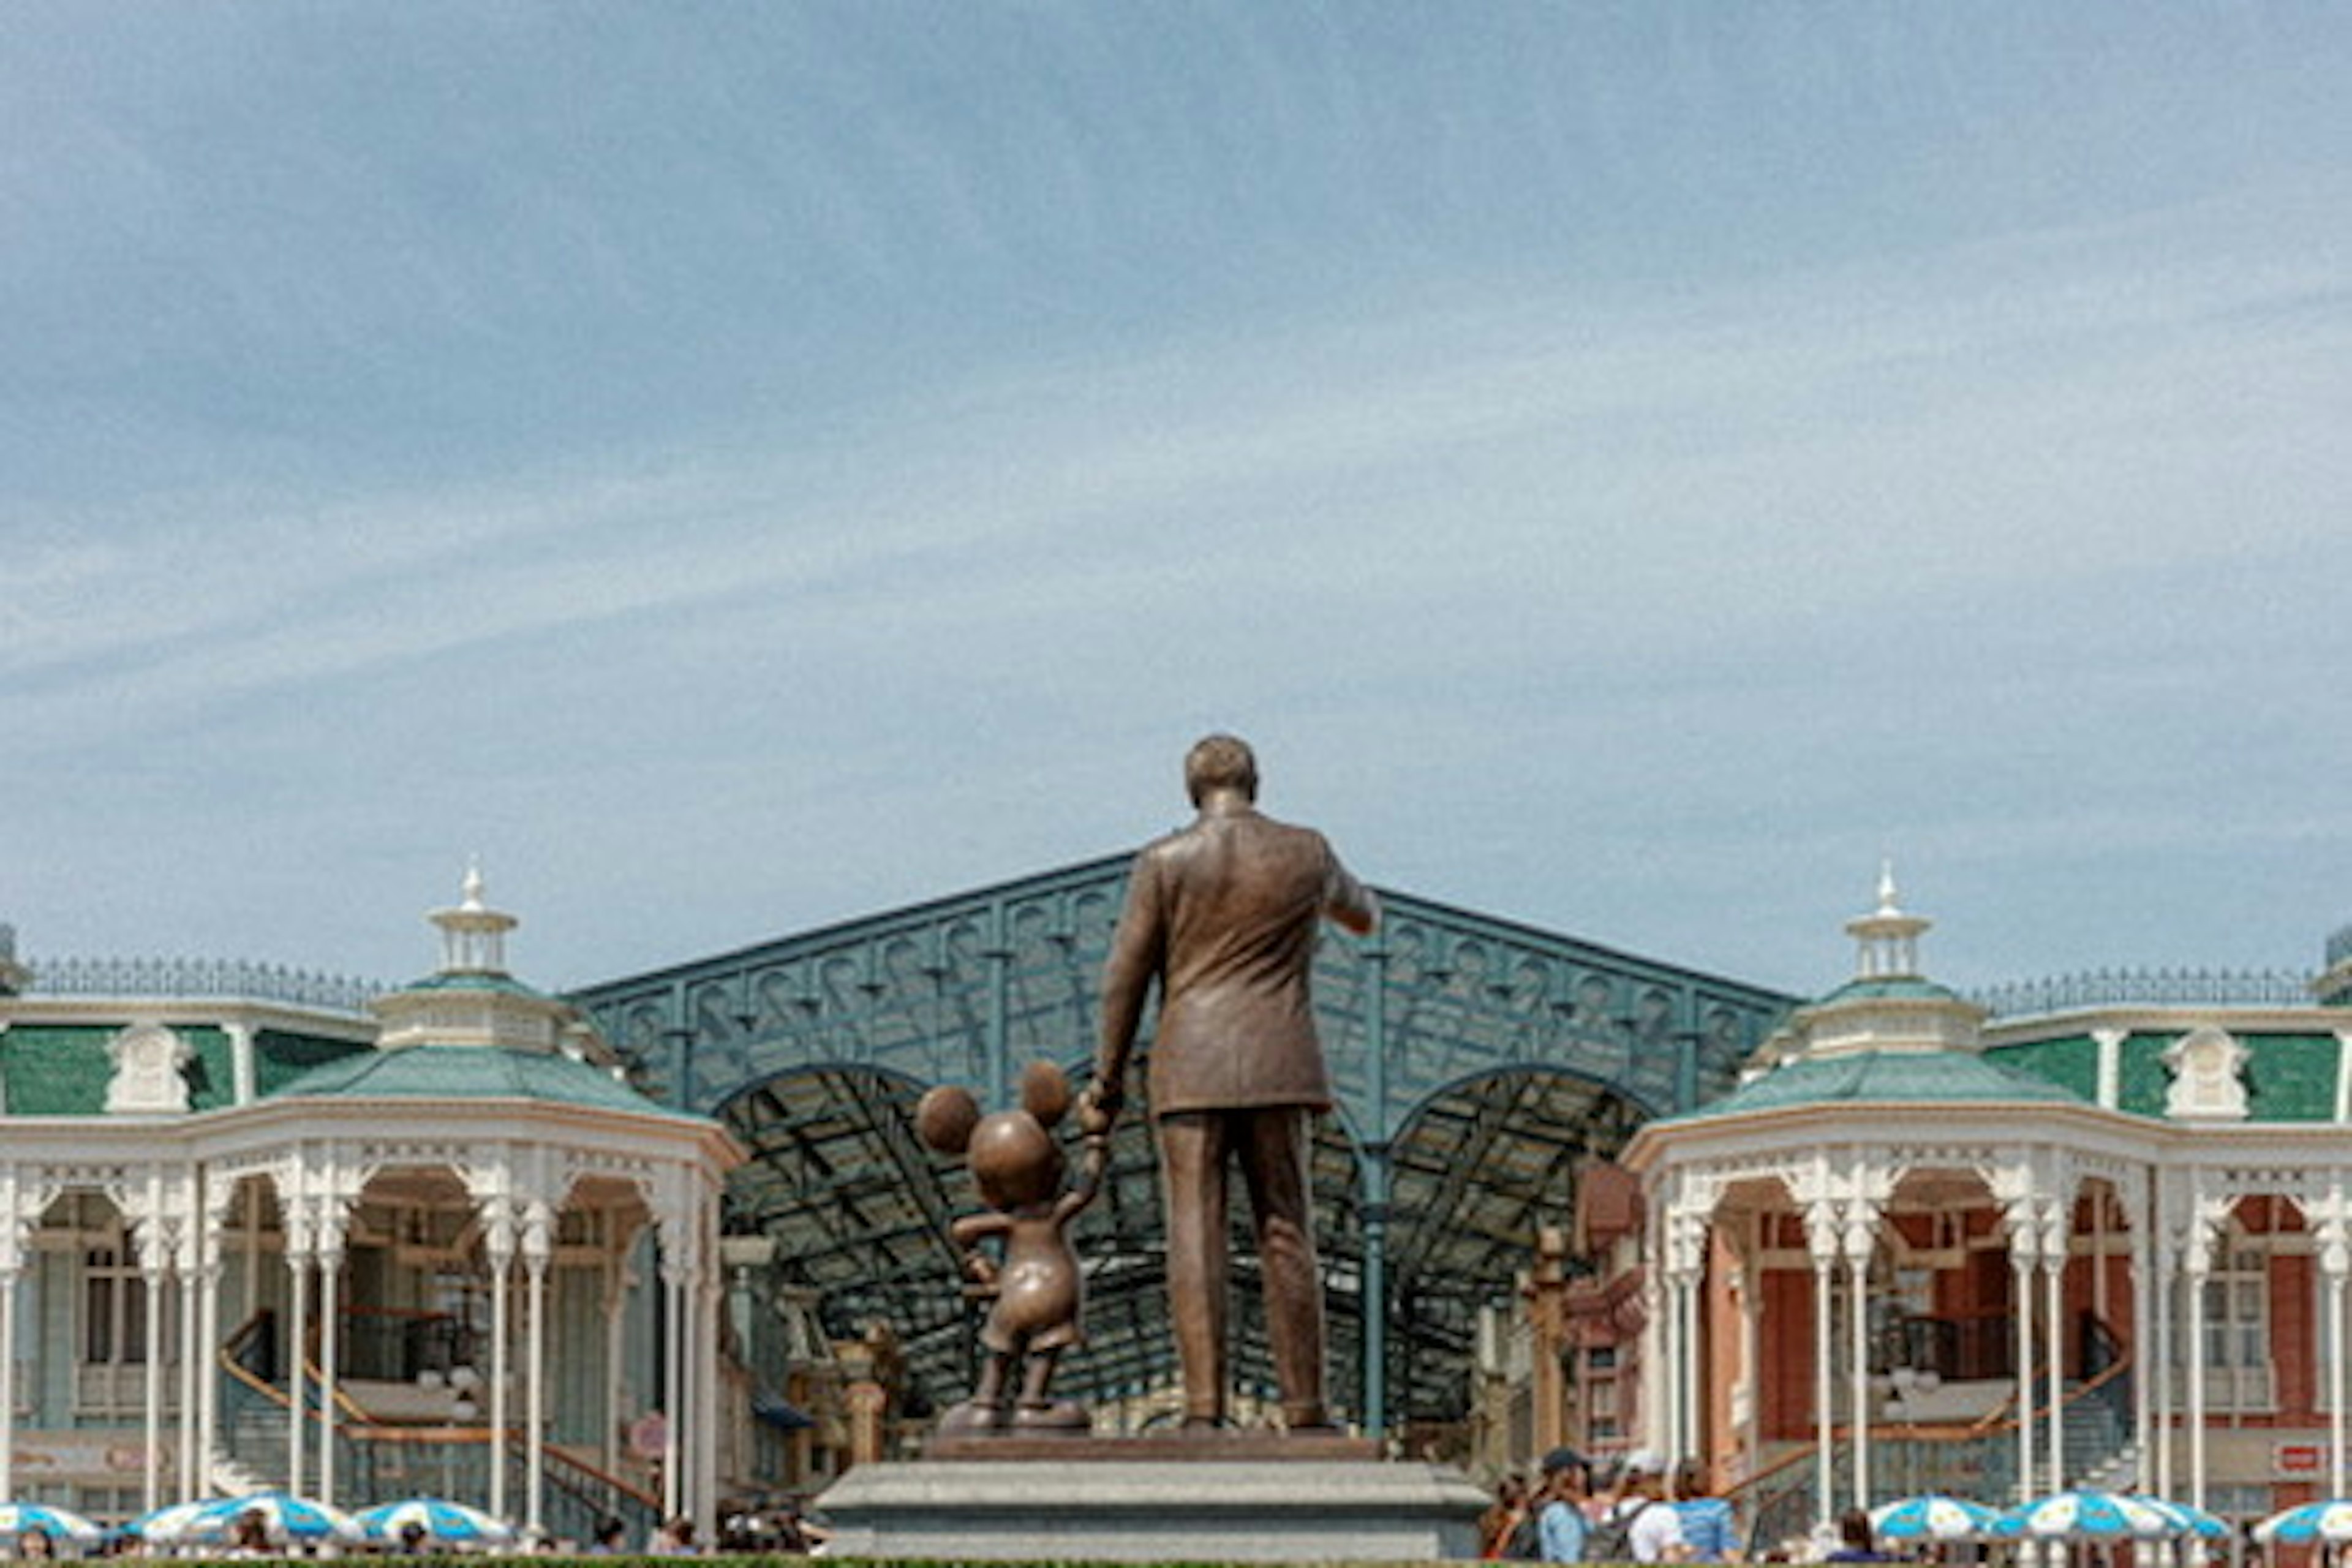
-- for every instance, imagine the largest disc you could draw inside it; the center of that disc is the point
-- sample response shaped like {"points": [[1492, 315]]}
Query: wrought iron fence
{"points": [[2148, 988], [199, 978]]}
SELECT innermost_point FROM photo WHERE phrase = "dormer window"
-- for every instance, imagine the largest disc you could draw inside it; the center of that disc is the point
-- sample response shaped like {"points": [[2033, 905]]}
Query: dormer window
{"points": [[2207, 1082]]}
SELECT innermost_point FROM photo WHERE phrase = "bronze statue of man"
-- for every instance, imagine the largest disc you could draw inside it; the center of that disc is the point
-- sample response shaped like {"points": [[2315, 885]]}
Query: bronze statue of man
{"points": [[1223, 915]]}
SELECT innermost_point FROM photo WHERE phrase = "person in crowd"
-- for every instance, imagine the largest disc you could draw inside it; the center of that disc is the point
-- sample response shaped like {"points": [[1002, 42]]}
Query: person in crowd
{"points": [[1638, 1525], [675, 1539], [610, 1538], [1561, 1526], [36, 1543], [1855, 1542], [1708, 1529], [1502, 1517]]}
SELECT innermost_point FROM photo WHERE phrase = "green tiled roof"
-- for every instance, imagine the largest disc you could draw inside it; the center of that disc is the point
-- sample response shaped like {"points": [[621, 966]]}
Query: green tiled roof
{"points": [[471, 1072], [57, 1069], [502, 984], [280, 1058], [63, 1069], [2071, 1061], [1887, 1077]]}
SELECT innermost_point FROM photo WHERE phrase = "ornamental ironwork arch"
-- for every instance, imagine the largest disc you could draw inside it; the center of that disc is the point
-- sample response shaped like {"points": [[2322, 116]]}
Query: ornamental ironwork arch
{"points": [[1475, 1060]]}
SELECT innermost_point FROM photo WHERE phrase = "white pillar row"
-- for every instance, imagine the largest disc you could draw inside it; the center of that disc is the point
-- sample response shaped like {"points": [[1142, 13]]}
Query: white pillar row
{"points": [[211, 1230], [499, 1241], [2024, 1243], [2167, 1359], [1859, 1229], [1649, 1421], [2148, 1358], [2054, 1341], [144, 1207], [538, 1247], [330, 1273], [2197, 1263], [294, 1205], [2335, 1264], [192, 1344], [1821, 1237], [10, 1267], [22, 1204]]}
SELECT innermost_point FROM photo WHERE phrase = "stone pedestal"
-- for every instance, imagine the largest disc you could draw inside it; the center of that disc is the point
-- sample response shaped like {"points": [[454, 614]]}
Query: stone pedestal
{"points": [[1125, 1499]]}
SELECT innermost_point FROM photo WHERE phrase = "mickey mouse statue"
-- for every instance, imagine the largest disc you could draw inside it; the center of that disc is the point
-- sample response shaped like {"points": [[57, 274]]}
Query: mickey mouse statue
{"points": [[1036, 1289]]}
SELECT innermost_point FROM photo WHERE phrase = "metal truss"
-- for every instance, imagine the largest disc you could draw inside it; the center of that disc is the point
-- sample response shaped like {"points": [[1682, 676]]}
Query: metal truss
{"points": [[1475, 1062]]}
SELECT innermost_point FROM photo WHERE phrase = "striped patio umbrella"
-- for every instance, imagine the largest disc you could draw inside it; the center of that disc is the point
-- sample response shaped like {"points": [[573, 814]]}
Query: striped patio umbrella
{"points": [[285, 1518], [1932, 1516], [2082, 1515], [168, 1526], [61, 1524], [2328, 1522], [444, 1523], [2188, 1519]]}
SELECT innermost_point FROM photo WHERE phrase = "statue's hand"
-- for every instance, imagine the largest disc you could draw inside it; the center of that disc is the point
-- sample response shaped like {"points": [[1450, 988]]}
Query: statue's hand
{"points": [[1098, 1110]]}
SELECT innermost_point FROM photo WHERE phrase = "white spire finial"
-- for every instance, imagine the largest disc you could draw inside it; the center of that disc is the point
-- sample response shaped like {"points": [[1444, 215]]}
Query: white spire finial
{"points": [[1887, 886], [472, 885]]}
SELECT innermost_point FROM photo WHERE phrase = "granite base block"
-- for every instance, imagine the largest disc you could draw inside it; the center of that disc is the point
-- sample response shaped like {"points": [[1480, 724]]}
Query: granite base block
{"points": [[1206, 1510]]}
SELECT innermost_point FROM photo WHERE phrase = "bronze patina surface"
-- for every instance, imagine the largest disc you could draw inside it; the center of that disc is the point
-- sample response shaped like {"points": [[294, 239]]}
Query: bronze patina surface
{"points": [[1223, 917]]}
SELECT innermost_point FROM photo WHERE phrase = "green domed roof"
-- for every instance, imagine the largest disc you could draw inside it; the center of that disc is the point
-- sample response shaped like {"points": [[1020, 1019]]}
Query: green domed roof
{"points": [[428, 1072], [1895, 988], [1887, 1078]]}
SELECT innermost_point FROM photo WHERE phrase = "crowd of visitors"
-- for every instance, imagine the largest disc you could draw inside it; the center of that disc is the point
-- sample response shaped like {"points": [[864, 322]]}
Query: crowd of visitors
{"points": [[1628, 1511]]}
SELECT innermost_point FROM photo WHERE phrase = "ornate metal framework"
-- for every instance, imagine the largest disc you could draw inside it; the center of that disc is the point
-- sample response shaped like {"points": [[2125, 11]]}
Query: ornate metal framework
{"points": [[1475, 1062]]}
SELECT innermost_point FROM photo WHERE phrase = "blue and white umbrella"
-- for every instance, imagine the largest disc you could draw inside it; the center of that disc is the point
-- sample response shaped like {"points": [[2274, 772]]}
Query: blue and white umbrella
{"points": [[2083, 1515], [284, 1517], [2188, 1519], [443, 1523], [2328, 1522], [60, 1524], [1932, 1516], [168, 1526]]}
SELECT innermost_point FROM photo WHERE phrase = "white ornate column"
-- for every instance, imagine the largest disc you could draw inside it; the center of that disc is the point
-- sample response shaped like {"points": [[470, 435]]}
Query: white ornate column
{"points": [[22, 1203], [498, 1243], [145, 1205], [2056, 1212], [1859, 1229], [538, 1247], [328, 1241], [211, 1230], [295, 1207], [187, 1263], [2014, 1187], [1822, 1237], [2166, 1244], [1684, 1265], [2334, 1238], [2148, 1356], [2206, 1215]]}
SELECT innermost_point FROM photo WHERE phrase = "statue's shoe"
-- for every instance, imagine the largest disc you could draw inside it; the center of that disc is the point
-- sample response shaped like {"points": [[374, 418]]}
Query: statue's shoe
{"points": [[1057, 1416], [970, 1416]]}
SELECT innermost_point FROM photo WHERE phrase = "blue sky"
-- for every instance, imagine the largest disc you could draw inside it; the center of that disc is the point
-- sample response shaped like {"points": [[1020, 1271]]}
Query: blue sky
{"points": [[733, 468]]}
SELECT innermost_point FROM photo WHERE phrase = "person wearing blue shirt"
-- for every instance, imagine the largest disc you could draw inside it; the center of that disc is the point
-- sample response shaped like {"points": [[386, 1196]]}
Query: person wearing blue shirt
{"points": [[1561, 1525]]}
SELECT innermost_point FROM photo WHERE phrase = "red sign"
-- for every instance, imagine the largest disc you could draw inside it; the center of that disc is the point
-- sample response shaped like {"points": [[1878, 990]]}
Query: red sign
{"points": [[2298, 1458]]}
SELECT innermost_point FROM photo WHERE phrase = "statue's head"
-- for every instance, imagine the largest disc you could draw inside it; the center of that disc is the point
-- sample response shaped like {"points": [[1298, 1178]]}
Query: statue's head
{"points": [[1013, 1158], [1220, 761]]}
